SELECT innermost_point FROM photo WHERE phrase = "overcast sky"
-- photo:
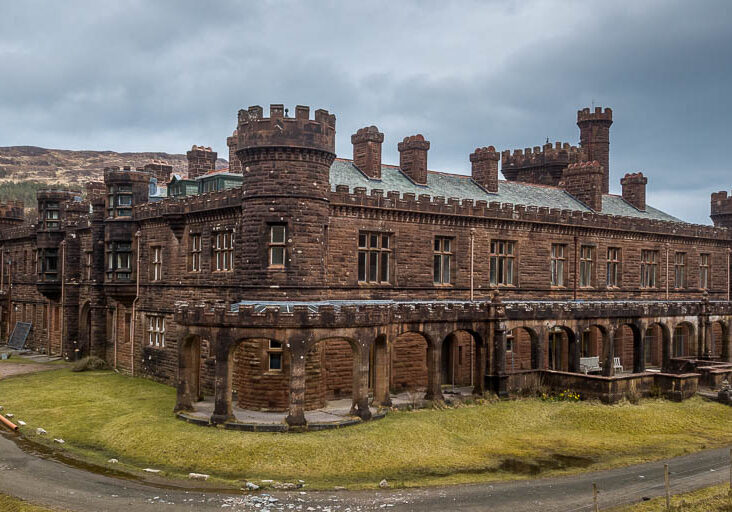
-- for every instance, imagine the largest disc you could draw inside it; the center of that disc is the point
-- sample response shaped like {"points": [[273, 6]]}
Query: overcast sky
{"points": [[163, 75]]}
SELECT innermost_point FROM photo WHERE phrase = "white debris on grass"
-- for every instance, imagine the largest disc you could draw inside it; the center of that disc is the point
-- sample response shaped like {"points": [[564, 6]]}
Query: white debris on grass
{"points": [[59, 441], [150, 470], [41, 431], [22, 423], [113, 461], [197, 476]]}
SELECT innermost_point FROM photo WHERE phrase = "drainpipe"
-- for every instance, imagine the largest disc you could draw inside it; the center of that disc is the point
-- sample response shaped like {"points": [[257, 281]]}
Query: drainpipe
{"points": [[728, 269], [576, 269], [472, 255], [138, 235], [63, 294], [667, 247], [114, 334]]}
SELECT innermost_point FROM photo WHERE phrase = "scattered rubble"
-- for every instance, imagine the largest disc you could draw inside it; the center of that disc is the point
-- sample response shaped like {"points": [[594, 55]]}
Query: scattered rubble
{"points": [[384, 484]]}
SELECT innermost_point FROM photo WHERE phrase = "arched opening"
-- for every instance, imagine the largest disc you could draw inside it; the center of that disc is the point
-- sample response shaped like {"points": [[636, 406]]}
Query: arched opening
{"points": [[559, 341], [409, 363], [655, 338], [457, 359], [684, 342], [329, 367], [627, 349], [521, 350], [718, 339], [189, 373], [259, 374]]}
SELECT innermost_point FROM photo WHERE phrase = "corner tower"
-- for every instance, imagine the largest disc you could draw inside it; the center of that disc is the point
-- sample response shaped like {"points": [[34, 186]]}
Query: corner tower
{"points": [[595, 138], [286, 167]]}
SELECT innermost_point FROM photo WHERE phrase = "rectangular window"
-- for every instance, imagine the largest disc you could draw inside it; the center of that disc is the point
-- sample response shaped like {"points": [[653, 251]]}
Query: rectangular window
{"points": [[649, 268], [156, 330], [119, 261], [274, 356], [558, 263], [119, 201], [156, 254], [586, 265], [51, 216], [374, 253], [503, 256], [88, 260], [195, 242], [48, 259], [613, 267], [442, 260], [277, 245], [223, 251], [704, 261], [680, 270]]}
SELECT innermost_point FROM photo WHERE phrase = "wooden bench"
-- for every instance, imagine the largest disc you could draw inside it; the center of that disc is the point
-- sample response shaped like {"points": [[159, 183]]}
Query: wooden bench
{"points": [[589, 364]]}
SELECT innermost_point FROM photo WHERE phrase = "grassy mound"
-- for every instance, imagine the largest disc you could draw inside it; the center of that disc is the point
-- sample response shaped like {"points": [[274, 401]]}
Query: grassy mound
{"points": [[103, 414], [90, 363]]}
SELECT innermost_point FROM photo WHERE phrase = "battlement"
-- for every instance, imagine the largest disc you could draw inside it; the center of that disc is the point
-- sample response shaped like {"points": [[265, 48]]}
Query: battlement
{"points": [[721, 209], [211, 201], [560, 153], [12, 212], [584, 168], [278, 130], [342, 198], [58, 195], [598, 115], [125, 174]]}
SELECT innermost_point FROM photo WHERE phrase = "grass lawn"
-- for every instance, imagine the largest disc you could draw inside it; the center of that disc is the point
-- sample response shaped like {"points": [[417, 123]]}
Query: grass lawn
{"points": [[8, 504], [102, 415], [710, 499]]}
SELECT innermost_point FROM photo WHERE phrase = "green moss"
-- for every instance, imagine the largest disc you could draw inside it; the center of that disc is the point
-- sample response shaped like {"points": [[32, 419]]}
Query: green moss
{"points": [[103, 414]]}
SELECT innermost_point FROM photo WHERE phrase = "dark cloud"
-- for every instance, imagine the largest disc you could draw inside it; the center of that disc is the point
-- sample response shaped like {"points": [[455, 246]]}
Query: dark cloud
{"points": [[163, 75]]}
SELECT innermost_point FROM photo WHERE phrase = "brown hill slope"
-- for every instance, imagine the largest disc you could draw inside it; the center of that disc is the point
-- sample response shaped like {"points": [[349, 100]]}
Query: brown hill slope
{"points": [[30, 163]]}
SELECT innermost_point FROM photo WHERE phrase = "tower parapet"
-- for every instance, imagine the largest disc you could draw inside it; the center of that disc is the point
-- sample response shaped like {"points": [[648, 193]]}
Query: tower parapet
{"points": [[721, 211], [542, 165], [595, 138]]}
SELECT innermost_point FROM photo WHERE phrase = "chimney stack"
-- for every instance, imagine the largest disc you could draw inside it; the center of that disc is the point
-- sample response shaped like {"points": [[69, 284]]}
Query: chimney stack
{"points": [[413, 158], [367, 151], [200, 161], [634, 190], [234, 162], [585, 182], [485, 168]]}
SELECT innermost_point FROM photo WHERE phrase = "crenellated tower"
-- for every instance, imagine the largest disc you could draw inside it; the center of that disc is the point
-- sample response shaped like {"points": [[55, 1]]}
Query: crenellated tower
{"points": [[542, 165], [286, 167], [595, 138], [721, 211]]}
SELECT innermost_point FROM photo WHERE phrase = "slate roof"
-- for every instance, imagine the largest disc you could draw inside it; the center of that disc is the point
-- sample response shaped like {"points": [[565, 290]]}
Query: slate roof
{"points": [[343, 172]]}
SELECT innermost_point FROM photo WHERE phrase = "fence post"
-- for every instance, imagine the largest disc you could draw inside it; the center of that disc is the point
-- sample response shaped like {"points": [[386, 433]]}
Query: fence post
{"points": [[595, 507], [668, 489]]}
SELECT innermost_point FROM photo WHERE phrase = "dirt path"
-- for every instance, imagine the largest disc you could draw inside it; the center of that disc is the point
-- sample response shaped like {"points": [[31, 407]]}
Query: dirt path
{"points": [[51, 483], [9, 369]]}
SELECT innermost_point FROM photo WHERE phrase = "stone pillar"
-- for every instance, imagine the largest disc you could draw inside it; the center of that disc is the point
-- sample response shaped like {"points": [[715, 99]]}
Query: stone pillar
{"points": [[608, 349], [222, 383], [360, 405], [499, 359], [639, 351], [480, 363], [381, 373], [666, 350], [296, 412], [707, 341], [538, 344], [574, 352], [726, 343], [434, 372]]}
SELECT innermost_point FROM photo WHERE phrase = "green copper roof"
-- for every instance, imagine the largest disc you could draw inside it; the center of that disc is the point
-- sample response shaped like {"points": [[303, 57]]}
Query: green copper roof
{"points": [[343, 172]]}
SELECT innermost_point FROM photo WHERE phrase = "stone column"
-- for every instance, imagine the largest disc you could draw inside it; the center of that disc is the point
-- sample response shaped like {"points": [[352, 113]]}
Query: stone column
{"points": [[574, 351], [608, 348], [222, 382], [184, 398], [434, 372], [480, 363], [538, 344], [381, 374], [639, 351], [296, 412], [499, 359], [360, 405]]}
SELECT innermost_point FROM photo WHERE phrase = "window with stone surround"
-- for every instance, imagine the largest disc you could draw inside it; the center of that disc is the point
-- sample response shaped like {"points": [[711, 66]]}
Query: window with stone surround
{"points": [[50, 215], [156, 263], [613, 267], [442, 260], [223, 251], [586, 265], [119, 201], [156, 331], [558, 264], [88, 261], [194, 240], [374, 255], [503, 262], [119, 261], [277, 245], [274, 356], [680, 270], [649, 268], [704, 263], [48, 259]]}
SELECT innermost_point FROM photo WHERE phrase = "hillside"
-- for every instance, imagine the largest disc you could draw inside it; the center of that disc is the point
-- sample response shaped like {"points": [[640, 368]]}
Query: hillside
{"points": [[75, 168]]}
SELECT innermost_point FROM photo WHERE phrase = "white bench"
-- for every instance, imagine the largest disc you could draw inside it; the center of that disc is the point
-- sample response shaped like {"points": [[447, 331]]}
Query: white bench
{"points": [[589, 364], [616, 364]]}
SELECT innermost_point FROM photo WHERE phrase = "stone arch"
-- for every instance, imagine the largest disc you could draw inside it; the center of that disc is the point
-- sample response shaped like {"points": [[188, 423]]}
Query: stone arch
{"points": [[330, 370], [561, 349], [189, 372], [457, 359], [409, 368], [656, 345], [627, 346], [684, 343], [523, 351], [719, 339], [259, 369], [592, 339]]}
